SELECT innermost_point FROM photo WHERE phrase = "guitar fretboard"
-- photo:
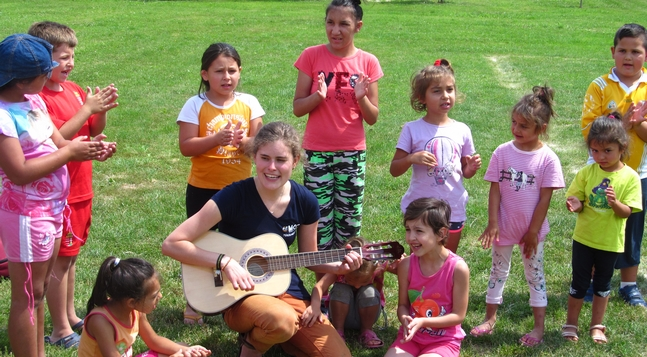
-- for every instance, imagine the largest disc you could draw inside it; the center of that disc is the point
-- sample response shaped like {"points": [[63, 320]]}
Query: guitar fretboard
{"points": [[285, 262]]}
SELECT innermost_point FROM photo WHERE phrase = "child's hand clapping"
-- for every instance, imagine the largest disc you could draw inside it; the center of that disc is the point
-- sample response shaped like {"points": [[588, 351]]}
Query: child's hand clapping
{"points": [[226, 135], [239, 134], [361, 86], [109, 147], [322, 87], [83, 150], [101, 100], [636, 114]]}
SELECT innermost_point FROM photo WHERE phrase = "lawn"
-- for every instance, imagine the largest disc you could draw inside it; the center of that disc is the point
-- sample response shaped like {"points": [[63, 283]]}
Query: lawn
{"points": [[151, 50]]}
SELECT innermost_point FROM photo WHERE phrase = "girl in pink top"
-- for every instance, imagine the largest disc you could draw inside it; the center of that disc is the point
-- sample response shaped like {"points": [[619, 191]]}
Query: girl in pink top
{"points": [[523, 174], [35, 184], [337, 89], [439, 149], [433, 285]]}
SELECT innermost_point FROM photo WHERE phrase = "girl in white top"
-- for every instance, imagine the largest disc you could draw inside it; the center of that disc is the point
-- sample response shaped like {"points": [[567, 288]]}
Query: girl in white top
{"points": [[439, 149]]}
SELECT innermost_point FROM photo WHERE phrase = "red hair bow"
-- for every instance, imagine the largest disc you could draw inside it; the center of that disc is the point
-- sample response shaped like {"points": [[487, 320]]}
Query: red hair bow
{"points": [[437, 63]]}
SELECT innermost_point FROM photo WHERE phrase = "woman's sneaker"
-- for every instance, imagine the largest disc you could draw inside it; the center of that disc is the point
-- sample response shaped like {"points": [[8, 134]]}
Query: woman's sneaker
{"points": [[631, 295]]}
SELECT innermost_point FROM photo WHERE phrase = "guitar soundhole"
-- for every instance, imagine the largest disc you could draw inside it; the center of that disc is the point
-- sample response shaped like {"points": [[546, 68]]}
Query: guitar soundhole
{"points": [[257, 266]]}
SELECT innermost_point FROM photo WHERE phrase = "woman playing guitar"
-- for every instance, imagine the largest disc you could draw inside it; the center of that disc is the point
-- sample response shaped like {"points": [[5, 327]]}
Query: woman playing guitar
{"points": [[268, 203]]}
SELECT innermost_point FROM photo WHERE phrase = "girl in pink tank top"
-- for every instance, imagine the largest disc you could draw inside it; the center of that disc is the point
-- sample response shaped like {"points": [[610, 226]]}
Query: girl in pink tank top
{"points": [[433, 285]]}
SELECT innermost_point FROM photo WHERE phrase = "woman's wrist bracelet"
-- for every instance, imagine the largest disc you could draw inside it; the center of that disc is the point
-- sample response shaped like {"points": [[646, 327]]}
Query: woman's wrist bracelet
{"points": [[219, 261], [227, 263]]}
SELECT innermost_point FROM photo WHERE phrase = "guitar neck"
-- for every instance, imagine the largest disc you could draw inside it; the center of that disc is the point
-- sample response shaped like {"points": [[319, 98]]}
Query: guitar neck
{"points": [[307, 259]]}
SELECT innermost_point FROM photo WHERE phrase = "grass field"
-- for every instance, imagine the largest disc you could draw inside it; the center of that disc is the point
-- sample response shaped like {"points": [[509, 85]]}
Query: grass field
{"points": [[499, 49]]}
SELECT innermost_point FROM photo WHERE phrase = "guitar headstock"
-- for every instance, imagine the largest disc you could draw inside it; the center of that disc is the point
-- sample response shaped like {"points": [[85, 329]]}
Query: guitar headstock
{"points": [[382, 251]]}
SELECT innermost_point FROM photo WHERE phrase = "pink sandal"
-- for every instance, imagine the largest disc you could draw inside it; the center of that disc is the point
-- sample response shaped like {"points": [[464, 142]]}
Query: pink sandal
{"points": [[368, 339], [477, 331]]}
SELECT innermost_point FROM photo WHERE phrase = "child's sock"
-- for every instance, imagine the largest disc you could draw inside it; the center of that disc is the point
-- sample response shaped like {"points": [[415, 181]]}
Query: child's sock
{"points": [[624, 283]]}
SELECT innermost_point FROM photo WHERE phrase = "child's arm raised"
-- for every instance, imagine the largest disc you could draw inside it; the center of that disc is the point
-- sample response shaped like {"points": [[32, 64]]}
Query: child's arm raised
{"points": [[161, 344], [491, 232], [312, 313], [402, 160], [530, 239], [460, 297], [21, 171]]}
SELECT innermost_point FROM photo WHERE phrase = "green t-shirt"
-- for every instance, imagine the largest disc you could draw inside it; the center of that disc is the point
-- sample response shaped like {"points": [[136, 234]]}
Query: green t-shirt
{"points": [[597, 225]]}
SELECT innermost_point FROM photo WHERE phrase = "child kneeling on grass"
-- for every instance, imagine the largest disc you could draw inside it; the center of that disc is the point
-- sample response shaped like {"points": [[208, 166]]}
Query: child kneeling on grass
{"points": [[355, 299]]}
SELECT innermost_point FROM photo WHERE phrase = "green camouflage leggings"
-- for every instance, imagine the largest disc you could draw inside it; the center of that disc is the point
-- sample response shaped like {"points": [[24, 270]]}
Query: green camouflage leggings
{"points": [[337, 180]]}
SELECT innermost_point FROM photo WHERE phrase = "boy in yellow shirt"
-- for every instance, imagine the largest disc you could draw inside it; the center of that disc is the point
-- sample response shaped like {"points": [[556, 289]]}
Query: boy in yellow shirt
{"points": [[624, 89]]}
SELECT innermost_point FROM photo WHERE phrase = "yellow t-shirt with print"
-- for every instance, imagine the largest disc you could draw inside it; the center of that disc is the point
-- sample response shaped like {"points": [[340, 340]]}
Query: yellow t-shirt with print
{"points": [[607, 94], [222, 165]]}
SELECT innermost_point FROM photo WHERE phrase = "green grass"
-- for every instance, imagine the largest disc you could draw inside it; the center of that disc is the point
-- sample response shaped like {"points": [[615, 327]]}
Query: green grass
{"points": [[499, 49]]}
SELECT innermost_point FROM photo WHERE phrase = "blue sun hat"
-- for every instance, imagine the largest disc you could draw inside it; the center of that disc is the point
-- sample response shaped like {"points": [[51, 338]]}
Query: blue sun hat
{"points": [[24, 56]]}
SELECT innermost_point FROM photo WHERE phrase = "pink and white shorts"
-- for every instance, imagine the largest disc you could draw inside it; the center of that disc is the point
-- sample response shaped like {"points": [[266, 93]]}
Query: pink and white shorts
{"points": [[29, 239]]}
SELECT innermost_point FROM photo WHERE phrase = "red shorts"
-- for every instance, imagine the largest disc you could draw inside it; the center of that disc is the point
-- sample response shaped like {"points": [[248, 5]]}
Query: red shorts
{"points": [[80, 220]]}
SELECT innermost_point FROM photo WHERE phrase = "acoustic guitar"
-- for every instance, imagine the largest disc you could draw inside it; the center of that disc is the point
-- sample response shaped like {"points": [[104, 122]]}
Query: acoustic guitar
{"points": [[267, 260]]}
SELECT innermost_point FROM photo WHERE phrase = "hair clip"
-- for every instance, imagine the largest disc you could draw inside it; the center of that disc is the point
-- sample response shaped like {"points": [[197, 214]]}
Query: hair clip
{"points": [[115, 263], [437, 63]]}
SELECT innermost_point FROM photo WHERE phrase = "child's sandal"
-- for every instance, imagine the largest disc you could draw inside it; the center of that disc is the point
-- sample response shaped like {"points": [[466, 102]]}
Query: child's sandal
{"points": [[479, 331], [571, 333], [599, 339]]}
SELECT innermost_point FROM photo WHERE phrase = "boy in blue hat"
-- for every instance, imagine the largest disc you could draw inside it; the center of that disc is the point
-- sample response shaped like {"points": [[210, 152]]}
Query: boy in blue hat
{"points": [[35, 184]]}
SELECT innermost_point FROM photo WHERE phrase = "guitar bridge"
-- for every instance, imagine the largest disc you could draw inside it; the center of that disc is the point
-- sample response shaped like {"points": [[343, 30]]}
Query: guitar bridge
{"points": [[217, 279]]}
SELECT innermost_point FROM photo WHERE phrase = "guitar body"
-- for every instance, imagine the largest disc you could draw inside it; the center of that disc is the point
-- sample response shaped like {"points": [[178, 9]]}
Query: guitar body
{"points": [[199, 286], [266, 259]]}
